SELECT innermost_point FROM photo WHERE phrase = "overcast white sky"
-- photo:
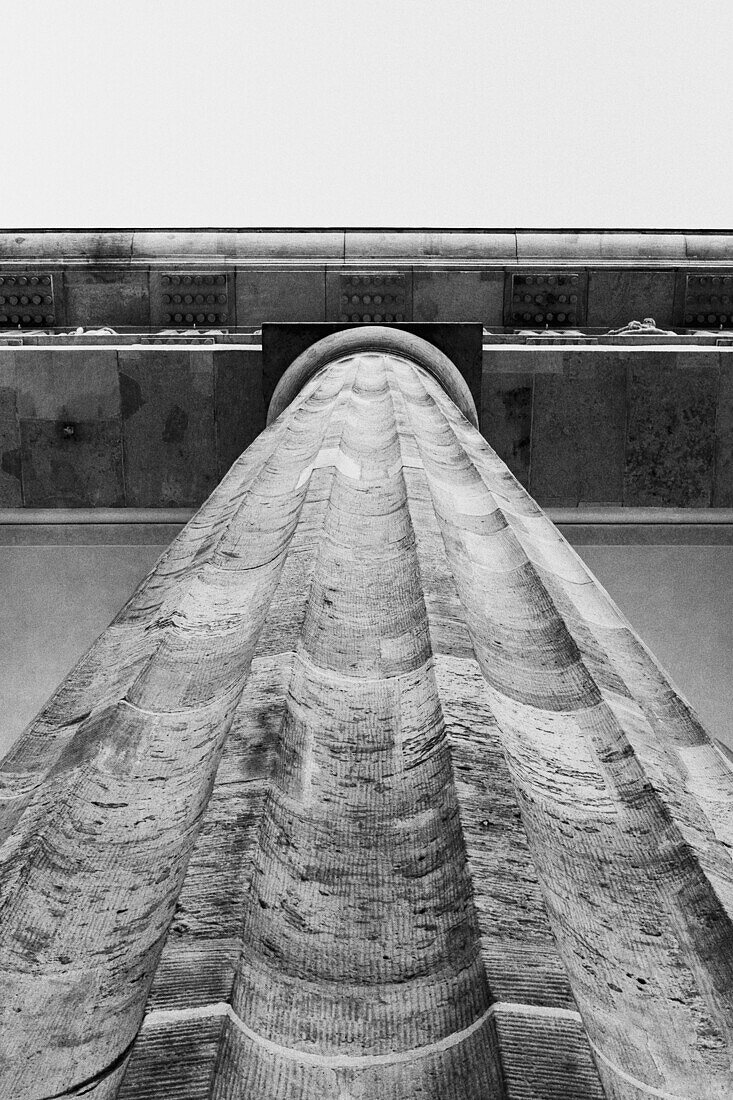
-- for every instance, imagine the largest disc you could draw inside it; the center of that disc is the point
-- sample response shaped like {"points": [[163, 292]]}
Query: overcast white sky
{"points": [[366, 113]]}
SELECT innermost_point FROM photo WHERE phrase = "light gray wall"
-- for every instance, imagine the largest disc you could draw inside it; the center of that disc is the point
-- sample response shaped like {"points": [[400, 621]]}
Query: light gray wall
{"points": [[56, 599]]}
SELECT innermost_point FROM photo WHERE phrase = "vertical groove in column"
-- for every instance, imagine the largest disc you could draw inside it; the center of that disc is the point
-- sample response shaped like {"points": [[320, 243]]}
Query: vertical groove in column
{"points": [[204, 941], [360, 939], [523, 964]]}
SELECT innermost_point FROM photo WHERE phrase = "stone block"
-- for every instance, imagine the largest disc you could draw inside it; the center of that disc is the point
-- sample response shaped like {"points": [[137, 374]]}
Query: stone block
{"points": [[615, 297], [666, 247], [284, 245], [421, 245], [369, 295], [535, 247], [168, 426], [81, 471], [670, 442], [201, 299], [273, 294], [10, 493], [522, 358], [506, 418], [708, 246], [239, 403], [578, 425], [455, 295], [118, 298], [67, 384], [723, 483], [41, 245], [587, 246]]}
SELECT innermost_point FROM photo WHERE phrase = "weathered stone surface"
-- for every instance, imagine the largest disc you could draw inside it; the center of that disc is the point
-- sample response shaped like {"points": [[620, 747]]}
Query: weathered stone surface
{"points": [[67, 384], [239, 403], [506, 418], [670, 445], [115, 297], [423, 245], [578, 427], [81, 470], [168, 426], [723, 483], [455, 295], [10, 492], [615, 297], [369, 791], [273, 294]]}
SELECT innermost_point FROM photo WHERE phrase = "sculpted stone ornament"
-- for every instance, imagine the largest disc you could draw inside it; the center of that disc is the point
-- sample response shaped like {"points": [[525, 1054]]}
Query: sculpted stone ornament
{"points": [[556, 334], [105, 331], [647, 327], [369, 792]]}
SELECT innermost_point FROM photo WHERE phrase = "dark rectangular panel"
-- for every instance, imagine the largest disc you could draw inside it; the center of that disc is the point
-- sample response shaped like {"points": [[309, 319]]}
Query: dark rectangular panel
{"points": [[670, 441], [506, 418], [537, 299], [168, 426], [723, 484], [10, 494], [578, 422], [239, 405]]}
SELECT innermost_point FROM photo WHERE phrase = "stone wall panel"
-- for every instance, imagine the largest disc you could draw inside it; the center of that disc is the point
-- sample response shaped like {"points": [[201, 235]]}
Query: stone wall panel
{"points": [[10, 491], [578, 431], [506, 418], [274, 294], [723, 483], [616, 297], [83, 470], [67, 384], [108, 297], [455, 295], [670, 443], [168, 426], [239, 404]]}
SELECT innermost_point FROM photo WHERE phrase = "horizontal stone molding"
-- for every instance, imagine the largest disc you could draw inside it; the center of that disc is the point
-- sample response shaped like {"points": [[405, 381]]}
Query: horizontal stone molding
{"points": [[565, 516], [504, 247]]}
